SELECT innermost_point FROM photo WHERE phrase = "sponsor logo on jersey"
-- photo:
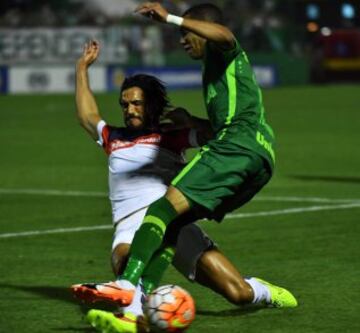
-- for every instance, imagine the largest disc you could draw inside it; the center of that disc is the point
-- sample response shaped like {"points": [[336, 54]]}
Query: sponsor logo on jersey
{"points": [[119, 144], [266, 144]]}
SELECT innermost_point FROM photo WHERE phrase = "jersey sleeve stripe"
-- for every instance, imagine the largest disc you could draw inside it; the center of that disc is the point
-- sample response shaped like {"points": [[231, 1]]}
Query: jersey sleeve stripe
{"points": [[231, 82]]}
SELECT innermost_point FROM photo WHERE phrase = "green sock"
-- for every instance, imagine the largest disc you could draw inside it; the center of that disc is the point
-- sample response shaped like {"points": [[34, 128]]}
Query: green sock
{"points": [[148, 238], [156, 267]]}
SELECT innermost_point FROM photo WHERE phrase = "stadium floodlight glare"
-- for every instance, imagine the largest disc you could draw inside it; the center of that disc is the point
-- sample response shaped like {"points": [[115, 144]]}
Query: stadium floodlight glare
{"points": [[312, 11], [348, 11], [325, 31]]}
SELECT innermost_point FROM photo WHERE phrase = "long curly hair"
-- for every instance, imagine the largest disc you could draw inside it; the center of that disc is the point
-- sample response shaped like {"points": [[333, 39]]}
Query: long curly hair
{"points": [[156, 99]]}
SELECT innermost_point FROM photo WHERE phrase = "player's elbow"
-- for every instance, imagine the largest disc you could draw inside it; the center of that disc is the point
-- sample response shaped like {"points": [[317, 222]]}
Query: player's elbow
{"points": [[226, 38], [82, 120], [87, 120], [87, 126]]}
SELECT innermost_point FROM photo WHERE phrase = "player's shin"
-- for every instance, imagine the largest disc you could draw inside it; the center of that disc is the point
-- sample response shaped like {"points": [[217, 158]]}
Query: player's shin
{"points": [[148, 239], [157, 266]]}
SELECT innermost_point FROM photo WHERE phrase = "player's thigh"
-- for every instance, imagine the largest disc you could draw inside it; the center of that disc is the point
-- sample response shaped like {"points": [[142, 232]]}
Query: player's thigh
{"points": [[125, 228], [123, 236], [243, 194], [216, 173]]}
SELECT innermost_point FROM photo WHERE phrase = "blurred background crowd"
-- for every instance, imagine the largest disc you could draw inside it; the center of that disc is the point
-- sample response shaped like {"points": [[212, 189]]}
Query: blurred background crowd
{"points": [[261, 25], [304, 40]]}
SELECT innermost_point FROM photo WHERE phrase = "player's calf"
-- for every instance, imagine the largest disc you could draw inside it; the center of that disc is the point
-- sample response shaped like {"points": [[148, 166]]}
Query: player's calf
{"points": [[238, 292]]}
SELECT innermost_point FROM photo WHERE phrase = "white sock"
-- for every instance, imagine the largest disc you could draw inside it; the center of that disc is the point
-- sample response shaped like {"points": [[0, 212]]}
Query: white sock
{"points": [[125, 284], [261, 292], [136, 305]]}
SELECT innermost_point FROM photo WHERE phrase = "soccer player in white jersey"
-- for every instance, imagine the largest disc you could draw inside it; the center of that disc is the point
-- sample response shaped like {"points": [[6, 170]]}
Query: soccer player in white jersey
{"points": [[142, 162]]}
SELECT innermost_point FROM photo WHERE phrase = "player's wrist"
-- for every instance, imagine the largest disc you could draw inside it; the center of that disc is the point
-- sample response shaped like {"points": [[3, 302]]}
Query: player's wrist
{"points": [[81, 65], [173, 19]]}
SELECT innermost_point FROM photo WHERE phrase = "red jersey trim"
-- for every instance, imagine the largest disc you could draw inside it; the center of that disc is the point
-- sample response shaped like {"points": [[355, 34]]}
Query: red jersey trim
{"points": [[153, 139], [175, 141]]}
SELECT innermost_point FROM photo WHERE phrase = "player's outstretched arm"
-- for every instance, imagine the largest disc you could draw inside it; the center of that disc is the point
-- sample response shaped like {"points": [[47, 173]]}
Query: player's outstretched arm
{"points": [[86, 107], [214, 32]]}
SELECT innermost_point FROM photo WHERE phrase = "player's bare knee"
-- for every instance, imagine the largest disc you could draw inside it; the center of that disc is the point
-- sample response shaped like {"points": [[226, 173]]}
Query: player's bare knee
{"points": [[177, 199], [119, 258]]}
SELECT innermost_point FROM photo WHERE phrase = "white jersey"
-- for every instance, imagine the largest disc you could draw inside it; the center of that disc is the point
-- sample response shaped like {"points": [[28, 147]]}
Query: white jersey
{"points": [[141, 164]]}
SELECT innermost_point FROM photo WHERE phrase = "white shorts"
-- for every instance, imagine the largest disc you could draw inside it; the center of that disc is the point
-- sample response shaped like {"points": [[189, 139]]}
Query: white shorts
{"points": [[192, 242]]}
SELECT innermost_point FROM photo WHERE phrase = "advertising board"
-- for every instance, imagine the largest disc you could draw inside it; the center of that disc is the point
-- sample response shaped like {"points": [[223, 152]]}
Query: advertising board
{"points": [[52, 79]]}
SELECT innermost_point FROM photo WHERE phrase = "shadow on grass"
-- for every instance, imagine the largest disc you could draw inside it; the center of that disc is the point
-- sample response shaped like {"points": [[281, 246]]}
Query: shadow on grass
{"points": [[230, 312], [74, 329], [59, 293], [62, 294]]}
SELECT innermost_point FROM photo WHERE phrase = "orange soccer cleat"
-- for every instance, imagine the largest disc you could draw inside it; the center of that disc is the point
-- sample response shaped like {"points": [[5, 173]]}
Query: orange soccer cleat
{"points": [[108, 292]]}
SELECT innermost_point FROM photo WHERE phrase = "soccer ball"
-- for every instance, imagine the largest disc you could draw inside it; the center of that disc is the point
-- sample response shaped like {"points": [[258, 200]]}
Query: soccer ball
{"points": [[170, 308]]}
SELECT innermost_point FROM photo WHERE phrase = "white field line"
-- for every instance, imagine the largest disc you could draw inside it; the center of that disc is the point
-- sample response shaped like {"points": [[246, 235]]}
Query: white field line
{"points": [[50, 192], [54, 231], [306, 199], [228, 217], [32, 191], [295, 210]]}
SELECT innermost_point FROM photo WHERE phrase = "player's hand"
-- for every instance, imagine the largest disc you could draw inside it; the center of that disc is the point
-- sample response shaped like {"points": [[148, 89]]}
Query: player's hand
{"points": [[179, 119], [90, 53], [152, 10]]}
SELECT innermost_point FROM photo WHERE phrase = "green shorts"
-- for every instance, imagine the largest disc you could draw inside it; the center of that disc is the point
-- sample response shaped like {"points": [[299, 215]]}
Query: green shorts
{"points": [[222, 177]]}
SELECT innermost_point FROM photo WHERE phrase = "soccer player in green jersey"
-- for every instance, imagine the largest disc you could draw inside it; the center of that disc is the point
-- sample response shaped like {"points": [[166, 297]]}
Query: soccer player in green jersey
{"points": [[229, 170]]}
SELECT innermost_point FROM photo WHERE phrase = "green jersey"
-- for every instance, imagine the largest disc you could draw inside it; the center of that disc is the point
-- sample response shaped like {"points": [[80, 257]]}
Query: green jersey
{"points": [[234, 101]]}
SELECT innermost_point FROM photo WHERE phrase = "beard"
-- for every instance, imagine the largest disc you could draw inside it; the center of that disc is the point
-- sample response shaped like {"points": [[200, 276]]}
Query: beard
{"points": [[135, 122]]}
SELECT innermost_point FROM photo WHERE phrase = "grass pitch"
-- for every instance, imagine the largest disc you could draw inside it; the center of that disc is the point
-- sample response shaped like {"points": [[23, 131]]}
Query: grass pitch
{"points": [[300, 232]]}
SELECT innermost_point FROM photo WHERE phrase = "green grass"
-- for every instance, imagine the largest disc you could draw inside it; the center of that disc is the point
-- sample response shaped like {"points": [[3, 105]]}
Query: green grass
{"points": [[313, 253]]}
